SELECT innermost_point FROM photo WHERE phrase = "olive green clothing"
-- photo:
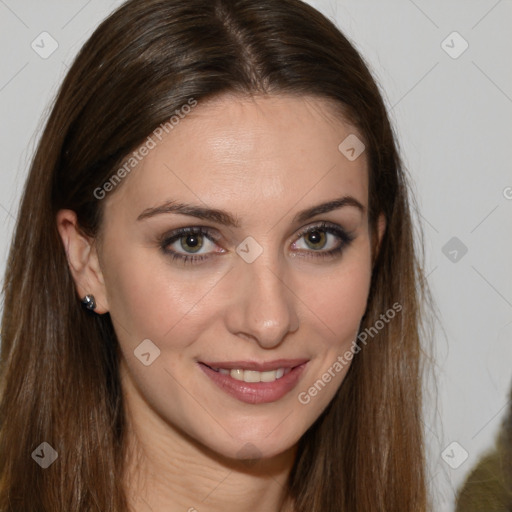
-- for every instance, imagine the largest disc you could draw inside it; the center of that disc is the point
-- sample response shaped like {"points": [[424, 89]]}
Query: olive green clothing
{"points": [[488, 487]]}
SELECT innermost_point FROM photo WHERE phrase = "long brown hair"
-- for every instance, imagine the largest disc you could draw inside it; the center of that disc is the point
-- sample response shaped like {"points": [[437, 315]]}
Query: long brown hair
{"points": [[59, 363]]}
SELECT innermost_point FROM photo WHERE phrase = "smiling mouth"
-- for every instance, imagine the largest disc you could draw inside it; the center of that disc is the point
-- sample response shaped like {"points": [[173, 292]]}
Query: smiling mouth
{"points": [[253, 375], [253, 371], [254, 382]]}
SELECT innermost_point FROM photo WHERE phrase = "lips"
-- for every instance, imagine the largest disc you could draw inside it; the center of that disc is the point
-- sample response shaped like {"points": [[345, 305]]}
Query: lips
{"points": [[255, 382]]}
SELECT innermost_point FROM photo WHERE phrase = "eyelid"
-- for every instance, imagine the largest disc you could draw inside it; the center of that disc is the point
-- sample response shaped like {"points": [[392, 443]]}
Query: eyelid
{"points": [[214, 236], [176, 234], [325, 225]]}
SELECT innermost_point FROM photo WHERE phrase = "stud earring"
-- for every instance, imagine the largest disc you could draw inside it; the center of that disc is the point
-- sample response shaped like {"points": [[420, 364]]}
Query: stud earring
{"points": [[89, 302]]}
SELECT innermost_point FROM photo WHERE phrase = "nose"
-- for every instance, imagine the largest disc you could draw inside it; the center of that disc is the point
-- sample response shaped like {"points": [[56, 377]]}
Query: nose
{"points": [[263, 305]]}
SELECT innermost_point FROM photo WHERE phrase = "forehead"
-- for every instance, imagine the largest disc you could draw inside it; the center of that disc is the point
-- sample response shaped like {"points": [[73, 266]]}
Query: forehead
{"points": [[249, 152]]}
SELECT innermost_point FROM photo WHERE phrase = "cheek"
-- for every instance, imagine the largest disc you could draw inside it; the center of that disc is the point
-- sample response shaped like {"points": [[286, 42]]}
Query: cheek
{"points": [[150, 298], [338, 304], [338, 299]]}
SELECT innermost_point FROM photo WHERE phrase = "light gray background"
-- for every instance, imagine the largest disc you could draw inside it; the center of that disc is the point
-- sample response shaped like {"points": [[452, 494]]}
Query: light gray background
{"points": [[453, 117]]}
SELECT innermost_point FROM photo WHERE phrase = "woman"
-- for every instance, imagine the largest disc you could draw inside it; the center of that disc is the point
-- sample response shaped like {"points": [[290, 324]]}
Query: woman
{"points": [[219, 185]]}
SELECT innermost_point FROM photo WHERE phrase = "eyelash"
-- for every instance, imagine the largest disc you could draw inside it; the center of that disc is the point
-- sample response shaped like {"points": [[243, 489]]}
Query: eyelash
{"points": [[344, 237]]}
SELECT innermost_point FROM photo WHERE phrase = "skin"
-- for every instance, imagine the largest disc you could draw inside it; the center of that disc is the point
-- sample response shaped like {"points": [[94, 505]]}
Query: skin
{"points": [[191, 446]]}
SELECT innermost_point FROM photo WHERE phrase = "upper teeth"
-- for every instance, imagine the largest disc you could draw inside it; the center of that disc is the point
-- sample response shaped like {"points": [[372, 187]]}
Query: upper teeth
{"points": [[254, 376]]}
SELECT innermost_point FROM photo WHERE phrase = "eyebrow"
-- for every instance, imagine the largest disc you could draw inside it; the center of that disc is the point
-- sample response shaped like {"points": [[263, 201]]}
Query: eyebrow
{"points": [[226, 219]]}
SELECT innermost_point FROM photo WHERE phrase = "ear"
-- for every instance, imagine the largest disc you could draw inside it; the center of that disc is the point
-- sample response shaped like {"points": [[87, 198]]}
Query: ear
{"points": [[82, 259], [380, 230]]}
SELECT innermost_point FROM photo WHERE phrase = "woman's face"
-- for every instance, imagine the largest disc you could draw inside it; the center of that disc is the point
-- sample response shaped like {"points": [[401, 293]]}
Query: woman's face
{"points": [[247, 294]]}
